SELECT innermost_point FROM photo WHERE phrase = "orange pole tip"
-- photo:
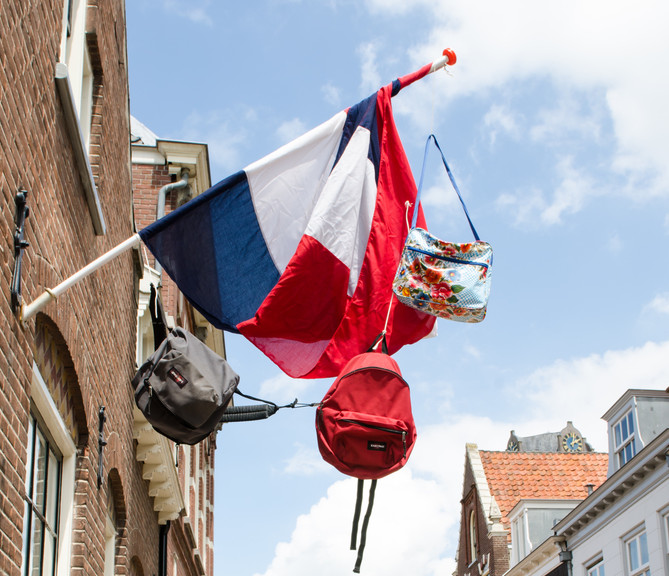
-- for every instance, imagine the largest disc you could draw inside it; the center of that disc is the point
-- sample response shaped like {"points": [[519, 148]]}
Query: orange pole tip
{"points": [[452, 59]]}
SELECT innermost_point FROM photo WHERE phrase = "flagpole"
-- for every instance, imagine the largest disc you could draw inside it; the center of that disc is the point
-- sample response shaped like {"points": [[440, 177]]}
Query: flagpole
{"points": [[448, 59], [49, 295]]}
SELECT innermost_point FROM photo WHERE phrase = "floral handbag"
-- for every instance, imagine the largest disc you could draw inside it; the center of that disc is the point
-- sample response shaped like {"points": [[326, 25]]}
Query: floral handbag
{"points": [[446, 279]]}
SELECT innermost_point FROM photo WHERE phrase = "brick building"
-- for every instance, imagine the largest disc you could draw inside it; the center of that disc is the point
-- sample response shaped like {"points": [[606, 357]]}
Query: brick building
{"points": [[511, 499], [166, 174], [85, 487]]}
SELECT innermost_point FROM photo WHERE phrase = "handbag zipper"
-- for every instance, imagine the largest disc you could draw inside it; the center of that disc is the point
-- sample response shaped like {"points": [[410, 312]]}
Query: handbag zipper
{"points": [[382, 429], [447, 258]]}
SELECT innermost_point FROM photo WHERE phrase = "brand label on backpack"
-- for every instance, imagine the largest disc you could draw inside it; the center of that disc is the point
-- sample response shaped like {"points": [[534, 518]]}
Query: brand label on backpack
{"points": [[179, 378], [376, 445]]}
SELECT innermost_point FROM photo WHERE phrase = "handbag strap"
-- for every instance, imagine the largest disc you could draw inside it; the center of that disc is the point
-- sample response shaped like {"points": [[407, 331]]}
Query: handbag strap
{"points": [[450, 175]]}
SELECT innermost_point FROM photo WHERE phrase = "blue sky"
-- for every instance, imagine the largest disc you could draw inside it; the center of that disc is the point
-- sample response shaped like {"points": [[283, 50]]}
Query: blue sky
{"points": [[554, 122]]}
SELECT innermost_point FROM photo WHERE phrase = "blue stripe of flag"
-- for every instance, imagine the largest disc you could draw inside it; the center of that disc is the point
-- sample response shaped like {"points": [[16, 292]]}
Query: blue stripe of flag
{"points": [[221, 228]]}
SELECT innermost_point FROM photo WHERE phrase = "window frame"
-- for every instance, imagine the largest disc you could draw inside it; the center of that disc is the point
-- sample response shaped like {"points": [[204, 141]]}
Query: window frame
{"points": [[640, 539], [596, 567], [622, 443], [47, 415], [473, 534]]}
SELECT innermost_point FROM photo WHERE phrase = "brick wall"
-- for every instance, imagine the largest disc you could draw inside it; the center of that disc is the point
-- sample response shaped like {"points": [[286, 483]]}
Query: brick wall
{"points": [[94, 322]]}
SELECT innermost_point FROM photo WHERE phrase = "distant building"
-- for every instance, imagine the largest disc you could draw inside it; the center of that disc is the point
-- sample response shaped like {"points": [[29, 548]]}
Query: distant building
{"points": [[569, 439], [621, 527]]}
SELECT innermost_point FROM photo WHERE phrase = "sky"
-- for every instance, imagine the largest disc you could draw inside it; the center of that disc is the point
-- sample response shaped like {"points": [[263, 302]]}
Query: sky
{"points": [[554, 122]]}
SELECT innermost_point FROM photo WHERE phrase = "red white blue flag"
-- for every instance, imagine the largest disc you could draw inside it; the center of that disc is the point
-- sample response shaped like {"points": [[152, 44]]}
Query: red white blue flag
{"points": [[298, 251]]}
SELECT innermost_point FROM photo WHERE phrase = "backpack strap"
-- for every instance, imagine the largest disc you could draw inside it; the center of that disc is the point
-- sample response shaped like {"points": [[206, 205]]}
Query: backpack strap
{"points": [[450, 175], [250, 412], [365, 522], [157, 318]]}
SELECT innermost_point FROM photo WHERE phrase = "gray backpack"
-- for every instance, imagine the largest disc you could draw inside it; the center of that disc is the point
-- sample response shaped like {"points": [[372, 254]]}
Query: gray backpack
{"points": [[184, 387]]}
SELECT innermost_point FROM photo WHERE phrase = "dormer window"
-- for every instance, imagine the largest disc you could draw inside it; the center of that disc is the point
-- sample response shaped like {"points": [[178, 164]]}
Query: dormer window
{"points": [[623, 432]]}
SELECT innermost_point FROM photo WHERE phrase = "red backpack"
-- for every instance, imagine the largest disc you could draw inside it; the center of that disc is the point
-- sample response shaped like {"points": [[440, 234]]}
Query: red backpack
{"points": [[365, 425]]}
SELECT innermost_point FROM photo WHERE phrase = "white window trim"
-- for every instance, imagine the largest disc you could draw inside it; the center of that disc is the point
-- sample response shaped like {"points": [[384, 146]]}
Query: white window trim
{"points": [[61, 436], [635, 535], [618, 448], [74, 81], [110, 547], [597, 564]]}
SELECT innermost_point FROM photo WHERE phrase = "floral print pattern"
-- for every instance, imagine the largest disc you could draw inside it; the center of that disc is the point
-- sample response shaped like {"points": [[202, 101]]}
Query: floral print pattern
{"points": [[445, 279]]}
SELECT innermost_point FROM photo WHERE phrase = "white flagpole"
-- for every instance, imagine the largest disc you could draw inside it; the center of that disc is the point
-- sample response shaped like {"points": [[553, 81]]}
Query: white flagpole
{"points": [[448, 59], [29, 310]]}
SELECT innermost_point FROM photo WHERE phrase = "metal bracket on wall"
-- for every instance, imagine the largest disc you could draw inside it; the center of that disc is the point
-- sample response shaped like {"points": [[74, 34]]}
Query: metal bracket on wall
{"points": [[22, 212], [101, 442]]}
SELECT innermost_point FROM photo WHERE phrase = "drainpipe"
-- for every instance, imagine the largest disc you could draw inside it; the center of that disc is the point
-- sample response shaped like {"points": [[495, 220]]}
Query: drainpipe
{"points": [[162, 195], [162, 549]]}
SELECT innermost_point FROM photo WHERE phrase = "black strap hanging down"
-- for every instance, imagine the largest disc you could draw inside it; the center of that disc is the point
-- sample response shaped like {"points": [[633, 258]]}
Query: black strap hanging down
{"points": [[365, 522], [157, 318]]}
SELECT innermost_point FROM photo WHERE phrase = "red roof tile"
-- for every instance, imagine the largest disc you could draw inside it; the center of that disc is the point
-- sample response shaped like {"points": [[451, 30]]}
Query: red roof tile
{"points": [[515, 476]]}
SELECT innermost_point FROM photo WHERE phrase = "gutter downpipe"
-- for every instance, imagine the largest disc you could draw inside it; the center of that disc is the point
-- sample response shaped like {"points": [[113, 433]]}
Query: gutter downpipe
{"points": [[162, 549], [162, 195]]}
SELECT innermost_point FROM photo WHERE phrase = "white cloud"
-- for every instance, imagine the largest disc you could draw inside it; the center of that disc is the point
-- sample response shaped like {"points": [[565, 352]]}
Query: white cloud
{"points": [[290, 130], [283, 389], [615, 244], [371, 78], [306, 461], [500, 120], [600, 52], [659, 304], [531, 207], [583, 389], [567, 119], [424, 497], [394, 544], [190, 10], [225, 136], [332, 95]]}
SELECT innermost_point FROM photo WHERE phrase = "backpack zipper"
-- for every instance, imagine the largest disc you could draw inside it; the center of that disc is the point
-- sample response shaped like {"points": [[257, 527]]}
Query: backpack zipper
{"points": [[382, 429], [447, 258]]}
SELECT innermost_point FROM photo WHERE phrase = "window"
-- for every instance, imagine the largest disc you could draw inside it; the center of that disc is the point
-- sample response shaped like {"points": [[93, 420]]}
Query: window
{"points": [[637, 555], [49, 488], [473, 543], [665, 528], [73, 52], [42, 501], [596, 569], [76, 79], [623, 438]]}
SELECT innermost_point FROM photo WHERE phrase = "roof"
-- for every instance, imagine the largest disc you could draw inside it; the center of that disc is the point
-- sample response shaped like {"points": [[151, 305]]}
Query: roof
{"points": [[141, 134], [515, 476]]}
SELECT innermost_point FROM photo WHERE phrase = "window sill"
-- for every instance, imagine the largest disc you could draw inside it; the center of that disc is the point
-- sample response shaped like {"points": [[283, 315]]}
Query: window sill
{"points": [[79, 148]]}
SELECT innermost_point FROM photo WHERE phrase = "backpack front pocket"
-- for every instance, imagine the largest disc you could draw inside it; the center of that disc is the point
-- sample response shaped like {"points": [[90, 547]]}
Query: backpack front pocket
{"points": [[369, 440]]}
